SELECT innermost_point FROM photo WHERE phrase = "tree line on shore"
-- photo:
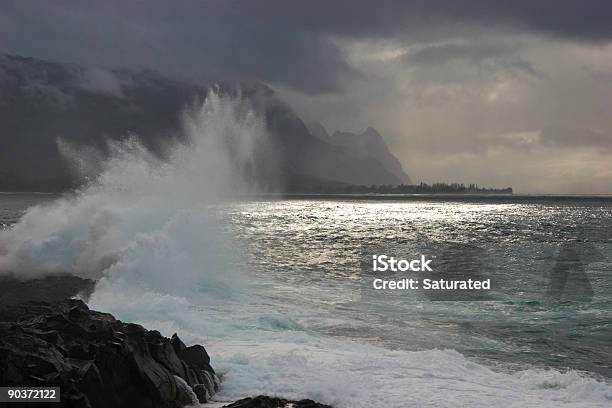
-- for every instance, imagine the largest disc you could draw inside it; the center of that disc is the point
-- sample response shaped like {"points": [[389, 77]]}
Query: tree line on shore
{"points": [[422, 188]]}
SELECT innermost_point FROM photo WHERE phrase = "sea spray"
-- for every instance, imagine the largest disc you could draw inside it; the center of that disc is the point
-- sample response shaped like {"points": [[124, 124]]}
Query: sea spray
{"points": [[148, 229], [142, 214]]}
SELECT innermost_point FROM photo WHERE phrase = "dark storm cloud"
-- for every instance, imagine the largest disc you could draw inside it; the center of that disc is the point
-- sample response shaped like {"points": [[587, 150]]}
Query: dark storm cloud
{"points": [[496, 91], [442, 53], [583, 20], [483, 55], [285, 42], [204, 40]]}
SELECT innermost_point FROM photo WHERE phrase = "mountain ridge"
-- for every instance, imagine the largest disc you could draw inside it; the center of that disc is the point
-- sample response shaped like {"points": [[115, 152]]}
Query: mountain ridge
{"points": [[370, 143], [41, 101]]}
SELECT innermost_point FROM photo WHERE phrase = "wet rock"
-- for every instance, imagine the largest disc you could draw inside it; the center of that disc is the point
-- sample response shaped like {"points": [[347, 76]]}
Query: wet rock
{"points": [[197, 357], [201, 392], [271, 402], [99, 361], [177, 344]]}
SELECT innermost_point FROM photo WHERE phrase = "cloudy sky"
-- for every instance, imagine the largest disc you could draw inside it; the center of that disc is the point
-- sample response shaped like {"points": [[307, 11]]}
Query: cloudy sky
{"points": [[501, 93]]}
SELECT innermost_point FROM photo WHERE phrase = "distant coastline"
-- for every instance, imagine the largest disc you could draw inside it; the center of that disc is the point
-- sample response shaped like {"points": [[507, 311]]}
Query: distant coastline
{"points": [[405, 189], [495, 198]]}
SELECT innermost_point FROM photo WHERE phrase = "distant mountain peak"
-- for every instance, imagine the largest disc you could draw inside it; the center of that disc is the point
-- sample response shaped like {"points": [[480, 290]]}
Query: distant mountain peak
{"points": [[370, 131], [41, 101], [318, 130], [371, 143]]}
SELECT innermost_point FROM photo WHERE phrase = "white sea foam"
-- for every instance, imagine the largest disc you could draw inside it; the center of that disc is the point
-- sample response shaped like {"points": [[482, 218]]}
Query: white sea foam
{"points": [[255, 357], [141, 203], [347, 374], [146, 228]]}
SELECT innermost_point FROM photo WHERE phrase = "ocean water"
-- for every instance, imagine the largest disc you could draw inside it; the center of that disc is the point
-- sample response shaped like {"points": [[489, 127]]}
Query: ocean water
{"points": [[278, 293], [14, 205]]}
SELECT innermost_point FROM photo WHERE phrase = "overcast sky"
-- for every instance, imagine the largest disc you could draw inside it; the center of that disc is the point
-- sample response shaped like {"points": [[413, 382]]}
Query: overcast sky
{"points": [[501, 93]]}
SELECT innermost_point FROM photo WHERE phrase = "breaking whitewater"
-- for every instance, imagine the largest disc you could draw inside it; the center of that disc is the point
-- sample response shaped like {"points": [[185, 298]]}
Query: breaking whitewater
{"points": [[153, 235]]}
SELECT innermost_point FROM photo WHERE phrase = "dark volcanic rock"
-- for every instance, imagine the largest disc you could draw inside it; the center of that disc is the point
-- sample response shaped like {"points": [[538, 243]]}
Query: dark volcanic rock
{"points": [[271, 402], [99, 361]]}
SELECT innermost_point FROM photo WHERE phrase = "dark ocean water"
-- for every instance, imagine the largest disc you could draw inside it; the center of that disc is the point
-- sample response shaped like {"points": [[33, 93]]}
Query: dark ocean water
{"points": [[545, 328], [549, 258], [13, 205]]}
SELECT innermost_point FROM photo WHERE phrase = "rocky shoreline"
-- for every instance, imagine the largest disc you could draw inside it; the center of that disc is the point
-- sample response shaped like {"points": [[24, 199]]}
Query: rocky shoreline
{"points": [[97, 360]]}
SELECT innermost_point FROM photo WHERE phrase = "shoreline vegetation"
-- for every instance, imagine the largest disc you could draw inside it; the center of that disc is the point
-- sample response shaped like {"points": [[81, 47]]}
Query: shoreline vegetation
{"points": [[405, 189]]}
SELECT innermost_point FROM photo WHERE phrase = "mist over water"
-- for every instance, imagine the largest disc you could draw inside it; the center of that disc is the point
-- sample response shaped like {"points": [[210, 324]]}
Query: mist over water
{"points": [[270, 288], [139, 202]]}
